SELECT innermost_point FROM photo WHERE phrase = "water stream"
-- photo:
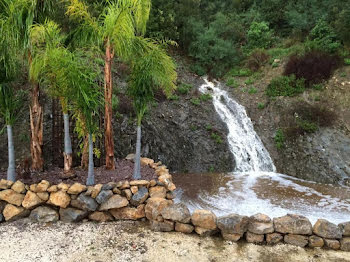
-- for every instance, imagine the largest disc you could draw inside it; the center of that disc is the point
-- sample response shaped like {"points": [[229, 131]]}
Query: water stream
{"points": [[254, 186]]}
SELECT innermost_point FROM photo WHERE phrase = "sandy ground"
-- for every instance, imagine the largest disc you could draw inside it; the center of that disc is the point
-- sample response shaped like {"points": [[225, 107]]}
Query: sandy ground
{"points": [[133, 241]]}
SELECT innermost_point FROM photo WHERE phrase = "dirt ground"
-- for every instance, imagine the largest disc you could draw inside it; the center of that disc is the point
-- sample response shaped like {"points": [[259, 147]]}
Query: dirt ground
{"points": [[133, 241]]}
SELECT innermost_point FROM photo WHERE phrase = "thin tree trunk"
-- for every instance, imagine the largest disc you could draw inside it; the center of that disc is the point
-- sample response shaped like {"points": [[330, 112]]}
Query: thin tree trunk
{"points": [[36, 127], [91, 178], [137, 161], [67, 146], [85, 154], [11, 171], [108, 91]]}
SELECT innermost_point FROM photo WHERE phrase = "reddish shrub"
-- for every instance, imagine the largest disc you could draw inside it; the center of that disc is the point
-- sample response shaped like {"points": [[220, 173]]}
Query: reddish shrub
{"points": [[314, 67], [257, 59]]}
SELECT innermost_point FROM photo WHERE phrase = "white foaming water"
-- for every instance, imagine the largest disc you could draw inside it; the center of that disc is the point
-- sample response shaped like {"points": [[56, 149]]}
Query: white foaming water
{"points": [[245, 145], [254, 187]]}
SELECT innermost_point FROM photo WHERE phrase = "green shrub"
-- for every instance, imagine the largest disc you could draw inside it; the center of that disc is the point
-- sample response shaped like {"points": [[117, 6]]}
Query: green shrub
{"points": [[317, 87], [285, 86], [274, 65], [343, 74], [347, 61], [259, 35], [261, 105], [240, 72], [195, 101], [209, 127], [252, 90], [249, 81], [307, 126], [184, 89], [216, 137], [232, 82], [205, 97], [279, 138], [174, 97]]}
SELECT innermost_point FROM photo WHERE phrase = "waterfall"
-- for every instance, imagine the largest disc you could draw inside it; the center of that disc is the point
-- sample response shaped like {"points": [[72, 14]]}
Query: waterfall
{"points": [[245, 145]]}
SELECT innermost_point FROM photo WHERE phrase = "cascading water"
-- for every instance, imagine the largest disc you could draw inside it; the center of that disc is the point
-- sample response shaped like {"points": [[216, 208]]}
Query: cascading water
{"points": [[254, 186], [245, 145]]}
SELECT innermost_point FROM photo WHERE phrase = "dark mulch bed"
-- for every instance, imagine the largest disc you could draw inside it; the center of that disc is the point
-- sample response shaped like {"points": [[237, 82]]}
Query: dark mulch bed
{"points": [[124, 171]]}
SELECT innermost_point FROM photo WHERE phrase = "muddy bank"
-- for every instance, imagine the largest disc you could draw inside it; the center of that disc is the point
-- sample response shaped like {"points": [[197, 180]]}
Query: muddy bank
{"points": [[134, 241]]}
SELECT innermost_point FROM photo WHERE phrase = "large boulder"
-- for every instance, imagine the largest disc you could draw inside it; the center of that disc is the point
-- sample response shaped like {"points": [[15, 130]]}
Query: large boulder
{"points": [[86, 203], [31, 200], [326, 229], [11, 197], [260, 224], [116, 201], [296, 240], [155, 206], [345, 244], [345, 228], [60, 199], [44, 214], [140, 197], [100, 216], [293, 224], [76, 189], [233, 224], [204, 219], [103, 196], [12, 212], [129, 213], [177, 212], [72, 214]]}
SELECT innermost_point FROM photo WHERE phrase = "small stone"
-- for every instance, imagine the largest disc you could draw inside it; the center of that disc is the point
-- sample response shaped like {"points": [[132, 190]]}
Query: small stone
{"points": [[204, 219], [43, 196], [33, 187], [293, 224], [296, 240], [273, 238], [4, 184], [123, 184], [53, 188], [108, 186], [231, 237], [89, 190], [72, 214], [12, 212], [130, 157], [146, 161], [31, 200], [117, 191], [165, 179], [254, 238], [127, 193], [177, 212], [129, 213], [345, 228], [332, 244], [152, 183], [116, 201], [63, 187], [86, 202], [134, 189], [260, 224], [170, 195], [171, 186], [233, 224], [76, 189], [345, 244], [18, 187], [103, 196], [326, 229], [11, 197], [100, 216], [60, 199], [42, 186], [315, 241], [155, 206], [140, 197], [157, 191], [204, 232], [139, 183], [165, 226], [97, 189], [44, 215], [184, 228]]}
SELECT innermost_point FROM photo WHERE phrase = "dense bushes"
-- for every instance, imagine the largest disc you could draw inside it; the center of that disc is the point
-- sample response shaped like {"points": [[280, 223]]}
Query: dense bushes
{"points": [[285, 86], [257, 59], [259, 35], [314, 67], [323, 38]]}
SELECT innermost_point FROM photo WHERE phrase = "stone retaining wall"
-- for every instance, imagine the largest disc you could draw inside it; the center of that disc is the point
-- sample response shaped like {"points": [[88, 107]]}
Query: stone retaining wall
{"points": [[153, 200]]}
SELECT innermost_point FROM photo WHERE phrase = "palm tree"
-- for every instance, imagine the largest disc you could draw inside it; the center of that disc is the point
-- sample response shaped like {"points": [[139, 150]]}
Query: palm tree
{"points": [[18, 17], [118, 24], [152, 69], [9, 109]]}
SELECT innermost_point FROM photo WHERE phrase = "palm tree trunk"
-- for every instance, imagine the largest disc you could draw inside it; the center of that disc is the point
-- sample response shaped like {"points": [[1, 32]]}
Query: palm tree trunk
{"points": [[137, 164], [36, 127], [67, 145], [11, 171], [91, 178], [108, 90]]}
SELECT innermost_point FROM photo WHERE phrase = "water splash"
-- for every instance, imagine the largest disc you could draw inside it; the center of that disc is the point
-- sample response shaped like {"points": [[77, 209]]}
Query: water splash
{"points": [[245, 145]]}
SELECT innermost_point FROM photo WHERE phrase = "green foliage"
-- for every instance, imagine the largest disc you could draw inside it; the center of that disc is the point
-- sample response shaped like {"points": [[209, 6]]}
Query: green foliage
{"points": [[232, 82], [174, 97], [261, 105], [10, 103], [307, 126], [195, 101], [347, 61], [282, 52], [205, 97], [342, 24], [259, 35], [209, 127], [184, 89], [252, 91], [317, 87], [216, 137], [285, 86], [279, 139], [240, 72], [275, 65], [249, 81]]}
